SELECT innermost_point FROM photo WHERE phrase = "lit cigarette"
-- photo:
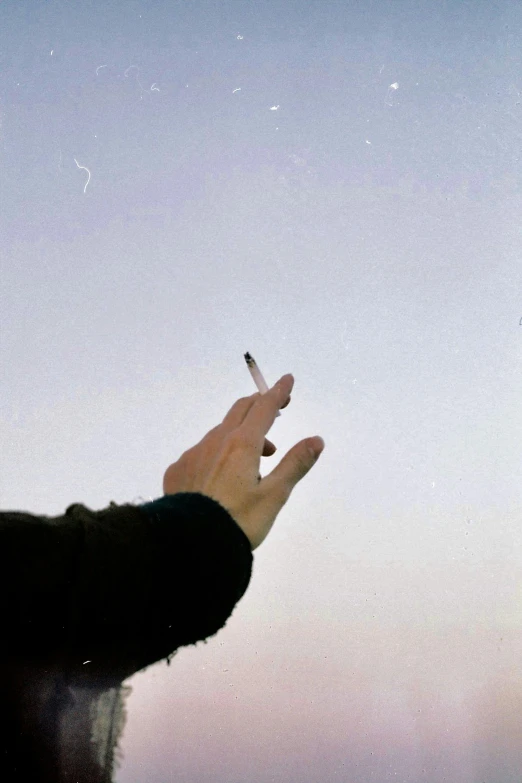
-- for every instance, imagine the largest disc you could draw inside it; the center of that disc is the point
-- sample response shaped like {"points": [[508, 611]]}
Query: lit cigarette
{"points": [[256, 375]]}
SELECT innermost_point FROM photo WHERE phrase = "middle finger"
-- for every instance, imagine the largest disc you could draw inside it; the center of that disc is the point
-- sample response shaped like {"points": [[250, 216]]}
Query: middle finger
{"points": [[261, 413]]}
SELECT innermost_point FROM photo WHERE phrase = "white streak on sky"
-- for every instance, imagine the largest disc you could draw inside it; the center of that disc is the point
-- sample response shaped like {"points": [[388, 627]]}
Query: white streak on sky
{"points": [[88, 172], [98, 68], [153, 87], [391, 88]]}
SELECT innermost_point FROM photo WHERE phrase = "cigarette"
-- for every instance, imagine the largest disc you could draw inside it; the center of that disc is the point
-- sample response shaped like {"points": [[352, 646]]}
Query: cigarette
{"points": [[256, 375]]}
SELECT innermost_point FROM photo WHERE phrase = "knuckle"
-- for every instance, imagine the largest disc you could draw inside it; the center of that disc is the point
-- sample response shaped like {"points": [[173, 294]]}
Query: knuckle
{"points": [[240, 442], [185, 457], [237, 439], [233, 441], [240, 405]]}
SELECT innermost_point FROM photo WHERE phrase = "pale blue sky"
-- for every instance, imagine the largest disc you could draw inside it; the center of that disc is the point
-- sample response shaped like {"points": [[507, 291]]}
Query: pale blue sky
{"points": [[365, 238]]}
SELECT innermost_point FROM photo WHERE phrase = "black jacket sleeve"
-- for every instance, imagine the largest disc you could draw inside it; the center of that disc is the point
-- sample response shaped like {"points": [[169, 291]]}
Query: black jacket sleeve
{"points": [[115, 590]]}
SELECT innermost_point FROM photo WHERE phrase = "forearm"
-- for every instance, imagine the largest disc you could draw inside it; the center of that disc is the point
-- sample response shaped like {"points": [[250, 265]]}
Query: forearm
{"points": [[127, 583]]}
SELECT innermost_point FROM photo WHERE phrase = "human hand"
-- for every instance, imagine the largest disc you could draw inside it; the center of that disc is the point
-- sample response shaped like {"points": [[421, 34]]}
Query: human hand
{"points": [[224, 465]]}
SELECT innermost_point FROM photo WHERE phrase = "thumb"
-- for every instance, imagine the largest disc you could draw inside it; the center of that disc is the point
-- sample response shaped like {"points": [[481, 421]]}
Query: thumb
{"points": [[316, 444], [296, 463]]}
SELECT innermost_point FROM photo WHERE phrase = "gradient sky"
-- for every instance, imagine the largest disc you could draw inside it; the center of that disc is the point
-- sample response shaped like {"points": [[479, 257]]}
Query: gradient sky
{"points": [[334, 187]]}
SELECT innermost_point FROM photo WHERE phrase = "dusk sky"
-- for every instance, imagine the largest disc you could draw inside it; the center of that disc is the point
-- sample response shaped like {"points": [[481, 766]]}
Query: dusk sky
{"points": [[334, 187]]}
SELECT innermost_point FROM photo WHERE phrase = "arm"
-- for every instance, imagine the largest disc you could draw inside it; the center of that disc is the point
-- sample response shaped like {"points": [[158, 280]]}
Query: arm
{"points": [[122, 587]]}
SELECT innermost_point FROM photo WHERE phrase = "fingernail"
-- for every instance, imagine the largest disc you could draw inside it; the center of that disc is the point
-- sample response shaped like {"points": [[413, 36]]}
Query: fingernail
{"points": [[284, 379], [316, 446]]}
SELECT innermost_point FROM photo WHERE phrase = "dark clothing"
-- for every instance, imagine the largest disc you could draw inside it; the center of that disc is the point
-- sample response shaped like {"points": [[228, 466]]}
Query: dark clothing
{"points": [[91, 597]]}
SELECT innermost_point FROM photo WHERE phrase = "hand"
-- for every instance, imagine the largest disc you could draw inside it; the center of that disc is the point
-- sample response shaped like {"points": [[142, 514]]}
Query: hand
{"points": [[269, 448], [224, 465]]}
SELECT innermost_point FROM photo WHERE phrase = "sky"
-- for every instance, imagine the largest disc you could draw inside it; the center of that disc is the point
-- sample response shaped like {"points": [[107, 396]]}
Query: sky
{"points": [[334, 187]]}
